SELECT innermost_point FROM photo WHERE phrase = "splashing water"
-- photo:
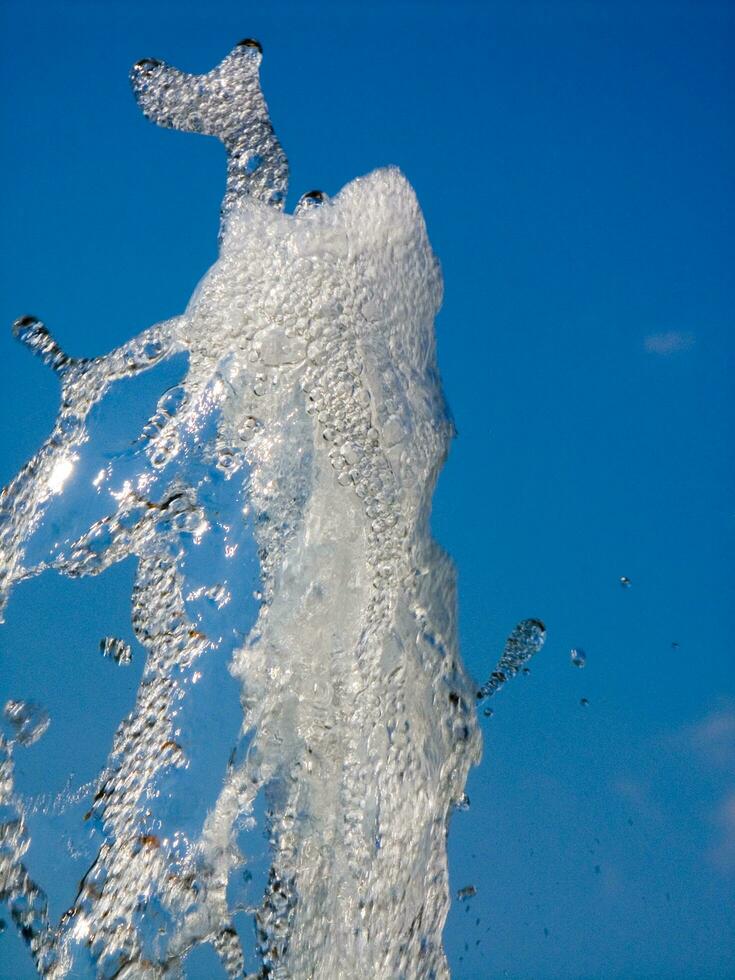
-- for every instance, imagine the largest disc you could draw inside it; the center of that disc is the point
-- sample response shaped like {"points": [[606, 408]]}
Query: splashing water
{"points": [[276, 506], [27, 721], [523, 643]]}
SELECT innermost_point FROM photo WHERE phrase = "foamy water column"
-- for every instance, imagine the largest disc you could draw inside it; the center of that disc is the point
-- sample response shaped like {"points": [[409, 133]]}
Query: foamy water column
{"points": [[304, 440]]}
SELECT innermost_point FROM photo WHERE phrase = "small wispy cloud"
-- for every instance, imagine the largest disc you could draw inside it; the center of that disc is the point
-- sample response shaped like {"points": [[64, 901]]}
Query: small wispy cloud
{"points": [[639, 796], [713, 738], [722, 854], [711, 741], [670, 342]]}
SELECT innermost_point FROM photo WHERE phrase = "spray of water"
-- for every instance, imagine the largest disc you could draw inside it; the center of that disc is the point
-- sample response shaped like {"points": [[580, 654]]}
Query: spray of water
{"points": [[277, 507]]}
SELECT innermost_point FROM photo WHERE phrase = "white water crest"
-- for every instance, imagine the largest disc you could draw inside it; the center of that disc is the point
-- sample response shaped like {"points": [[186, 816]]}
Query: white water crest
{"points": [[277, 508]]}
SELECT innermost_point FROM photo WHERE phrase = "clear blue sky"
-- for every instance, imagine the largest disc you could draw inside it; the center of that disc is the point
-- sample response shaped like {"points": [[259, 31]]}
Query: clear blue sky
{"points": [[575, 165]]}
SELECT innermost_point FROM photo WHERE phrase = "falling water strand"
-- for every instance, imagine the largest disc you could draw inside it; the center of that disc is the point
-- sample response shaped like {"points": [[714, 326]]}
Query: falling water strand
{"points": [[526, 640]]}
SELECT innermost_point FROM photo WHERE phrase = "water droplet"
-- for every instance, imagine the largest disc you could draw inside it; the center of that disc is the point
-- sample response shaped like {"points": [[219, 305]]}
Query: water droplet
{"points": [[578, 657], [469, 891], [488, 712], [463, 803], [625, 581], [584, 702], [117, 650], [28, 720]]}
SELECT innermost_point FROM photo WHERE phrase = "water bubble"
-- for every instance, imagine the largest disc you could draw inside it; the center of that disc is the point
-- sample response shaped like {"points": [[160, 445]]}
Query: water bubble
{"points": [[250, 42], [28, 720], [469, 891], [253, 163], [578, 657], [625, 581], [247, 428], [117, 650], [146, 64], [309, 201]]}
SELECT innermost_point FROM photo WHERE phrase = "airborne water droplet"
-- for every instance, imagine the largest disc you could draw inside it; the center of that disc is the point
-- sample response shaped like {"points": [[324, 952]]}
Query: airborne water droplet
{"points": [[28, 720], [117, 650], [469, 891], [526, 640], [578, 657], [625, 581]]}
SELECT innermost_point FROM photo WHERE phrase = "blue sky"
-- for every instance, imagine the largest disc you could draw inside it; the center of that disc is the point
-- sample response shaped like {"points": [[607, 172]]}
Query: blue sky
{"points": [[574, 162]]}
